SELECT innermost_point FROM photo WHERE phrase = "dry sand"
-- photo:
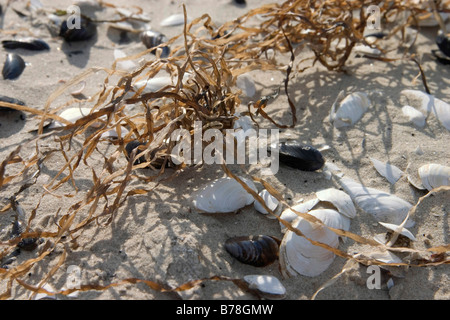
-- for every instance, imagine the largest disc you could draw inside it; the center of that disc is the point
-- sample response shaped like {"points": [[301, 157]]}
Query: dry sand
{"points": [[159, 237]]}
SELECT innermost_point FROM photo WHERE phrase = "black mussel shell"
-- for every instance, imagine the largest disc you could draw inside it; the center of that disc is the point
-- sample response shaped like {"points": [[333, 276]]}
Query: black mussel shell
{"points": [[240, 2], [300, 156], [152, 39], [27, 44], [440, 57], [10, 100], [133, 145], [87, 30], [13, 67], [27, 244], [443, 43], [258, 251]]}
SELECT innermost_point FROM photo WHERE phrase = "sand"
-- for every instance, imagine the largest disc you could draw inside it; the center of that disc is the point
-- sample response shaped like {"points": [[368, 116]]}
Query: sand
{"points": [[159, 236]]}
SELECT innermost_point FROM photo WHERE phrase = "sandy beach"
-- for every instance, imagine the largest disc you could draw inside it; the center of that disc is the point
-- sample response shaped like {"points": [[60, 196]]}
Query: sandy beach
{"points": [[159, 236]]}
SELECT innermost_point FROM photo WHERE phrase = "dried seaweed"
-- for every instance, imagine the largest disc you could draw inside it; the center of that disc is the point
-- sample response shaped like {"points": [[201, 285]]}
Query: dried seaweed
{"points": [[203, 72]]}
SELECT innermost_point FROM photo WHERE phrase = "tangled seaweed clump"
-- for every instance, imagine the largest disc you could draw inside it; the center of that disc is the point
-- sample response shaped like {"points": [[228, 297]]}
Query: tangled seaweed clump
{"points": [[200, 85]]}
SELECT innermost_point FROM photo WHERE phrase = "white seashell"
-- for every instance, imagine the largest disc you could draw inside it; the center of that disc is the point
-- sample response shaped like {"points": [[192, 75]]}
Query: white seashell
{"points": [[384, 256], [366, 50], [434, 175], [415, 116], [339, 199], [394, 227], [125, 64], [267, 286], [298, 255], [79, 91], [429, 103], [288, 215], [246, 84], [332, 218], [224, 195], [71, 115], [44, 296], [381, 205], [350, 110], [112, 134], [174, 20], [271, 202], [389, 171], [153, 84]]}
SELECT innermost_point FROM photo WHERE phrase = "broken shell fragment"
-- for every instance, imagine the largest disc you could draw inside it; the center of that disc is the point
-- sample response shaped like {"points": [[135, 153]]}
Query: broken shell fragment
{"points": [[174, 20], [13, 67], [350, 110], [267, 287], [389, 171], [289, 215], [258, 251], [224, 195], [414, 115], [403, 231], [434, 175], [271, 202], [300, 156]]}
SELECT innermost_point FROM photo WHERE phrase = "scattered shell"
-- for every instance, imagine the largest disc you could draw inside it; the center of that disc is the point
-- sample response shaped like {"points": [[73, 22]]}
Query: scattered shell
{"points": [[271, 202], [27, 244], [389, 171], [153, 84], [174, 20], [86, 31], [382, 206], [224, 195], [289, 215], [350, 109], [13, 67], [45, 296], [429, 103], [71, 115], [394, 227], [10, 100], [415, 116], [258, 251], [300, 156], [268, 287], [152, 39], [299, 256], [246, 84], [124, 64], [443, 43], [133, 145], [434, 175], [28, 44], [80, 89], [339, 199], [367, 51]]}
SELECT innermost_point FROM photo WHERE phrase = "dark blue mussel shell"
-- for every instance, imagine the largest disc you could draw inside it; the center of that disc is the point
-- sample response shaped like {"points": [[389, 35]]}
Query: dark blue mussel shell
{"points": [[27, 44], [13, 67], [300, 156], [87, 30], [443, 43], [152, 39], [10, 100], [257, 251]]}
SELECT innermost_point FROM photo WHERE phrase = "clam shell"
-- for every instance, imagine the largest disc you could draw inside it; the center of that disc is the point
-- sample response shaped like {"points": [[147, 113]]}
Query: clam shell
{"points": [[404, 231], [224, 195], [389, 171], [268, 287], [258, 251], [288, 215], [415, 116], [300, 156], [299, 256], [434, 175], [13, 67], [153, 84], [269, 200], [174, 20], [342, 201], [350, 110], [382, 206], [124, 64], [71, 115], [367, 51]]}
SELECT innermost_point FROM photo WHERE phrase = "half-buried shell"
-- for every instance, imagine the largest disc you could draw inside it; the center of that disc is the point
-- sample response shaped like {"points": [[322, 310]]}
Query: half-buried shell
{"points": [[258, 251]]}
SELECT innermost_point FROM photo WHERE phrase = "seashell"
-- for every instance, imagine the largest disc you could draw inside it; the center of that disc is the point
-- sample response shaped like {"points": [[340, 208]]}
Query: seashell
{"points": [[10, 100], [174, 20], [113, 134], [153, 84], [443, 43], [298, 255], [271, 202], [246, 84], [240, 2], [434, 175], [288, 215], [13, 67], [257, 251], [339, 199], [429, 103], [350, 109], [300, 156], [133, 145], [27, 244], [45, 296], [415, 116], [394, 227], [71, 115], [381, 205], [152, 39], [267, 287], [27, 44], [124, 64], [224, 195], [389, 171], [86, 31], [367, 51]]}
